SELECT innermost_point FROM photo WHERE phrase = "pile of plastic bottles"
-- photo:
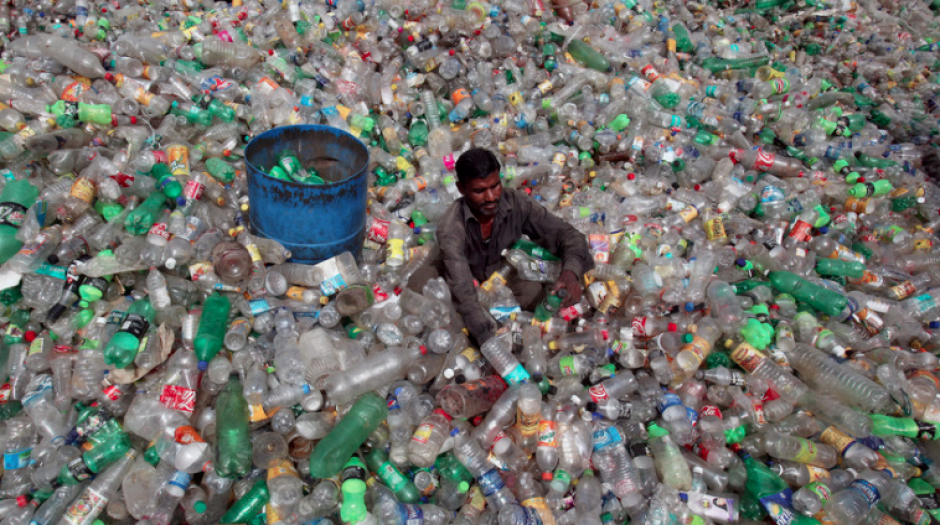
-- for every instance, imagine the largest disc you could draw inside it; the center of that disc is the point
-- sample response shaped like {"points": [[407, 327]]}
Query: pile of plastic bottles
{"points": [[757, 340]]}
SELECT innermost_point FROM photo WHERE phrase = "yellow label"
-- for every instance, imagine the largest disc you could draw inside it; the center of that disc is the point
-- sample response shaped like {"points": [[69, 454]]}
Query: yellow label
{"points": [[807, 451], [747, 357], [143, 96], [257, 414], [699, 347], [688, 213], [528, 424], [83, 189], [254, 252], [36, 346], [396, 250], [836, 439], [470, 353], [816, 473], [492, 281], [423, 433], [283, 467], [296, 293], [715, 229]]}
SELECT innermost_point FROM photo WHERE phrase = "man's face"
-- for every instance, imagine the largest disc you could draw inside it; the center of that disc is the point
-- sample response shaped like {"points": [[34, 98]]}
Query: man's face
{"points": [[482, 194]]}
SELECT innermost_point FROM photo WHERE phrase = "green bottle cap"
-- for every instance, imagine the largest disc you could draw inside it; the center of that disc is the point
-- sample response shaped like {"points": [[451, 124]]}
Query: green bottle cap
{"points": [[656, 430], [200, 507]]}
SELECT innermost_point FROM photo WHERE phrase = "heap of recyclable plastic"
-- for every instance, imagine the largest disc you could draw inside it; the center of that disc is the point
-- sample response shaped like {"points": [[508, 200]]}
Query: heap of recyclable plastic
{"points": [[757, 340]]}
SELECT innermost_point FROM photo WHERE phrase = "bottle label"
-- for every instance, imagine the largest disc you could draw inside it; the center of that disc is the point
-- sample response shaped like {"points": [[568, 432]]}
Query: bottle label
{"points": [[178, 157], [179, 398], [600, 247], [715, 229], [807, 452], [159, 230], [566, 366], [135, 324], [86, 508], [747, 357], [517, 375], [867, 489], [598, 393], [42, 385], [547, 434], [765, 161], [12, 214], [722, 510], [83, 189], [17, 458], [180, 480], [606, 438], [423, 433], [193, 189], [837, 439], [699, 348], [391, 476], [779, 507], [410, 514], [528, 424], [491, 482], [333, 284], [816, 473]]}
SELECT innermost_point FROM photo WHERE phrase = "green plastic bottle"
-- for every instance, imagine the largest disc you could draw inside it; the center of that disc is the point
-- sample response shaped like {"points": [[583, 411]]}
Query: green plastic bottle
{"points": [[95, 460], [851, 269], [166, 180], [249, 505], [534, 250], [354, 491], [715, 64], [16, 198], [590, 57], [212, 326], [122, 348], [450, 468], [878, 188], [418, 133], [404, 489], [771, 491], [143, 216], [904, 426], [220, 170], [233, 441], [331, 453], [825, 300]]}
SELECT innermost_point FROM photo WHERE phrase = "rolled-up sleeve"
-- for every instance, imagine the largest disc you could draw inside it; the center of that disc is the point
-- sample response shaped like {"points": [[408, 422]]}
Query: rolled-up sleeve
{"points": [[553, 233], [451, 236]]}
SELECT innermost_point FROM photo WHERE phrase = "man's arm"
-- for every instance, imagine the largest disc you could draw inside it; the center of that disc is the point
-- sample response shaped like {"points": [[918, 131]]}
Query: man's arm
{"points": [[460, 280], [559, 237]]}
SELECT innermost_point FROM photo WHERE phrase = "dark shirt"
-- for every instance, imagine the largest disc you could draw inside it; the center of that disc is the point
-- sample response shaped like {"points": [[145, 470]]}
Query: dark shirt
{"points": [[467, 257]]}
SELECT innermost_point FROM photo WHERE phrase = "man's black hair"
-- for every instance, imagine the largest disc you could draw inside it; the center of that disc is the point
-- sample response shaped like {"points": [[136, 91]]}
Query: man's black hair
{"points": [[476, 163]]}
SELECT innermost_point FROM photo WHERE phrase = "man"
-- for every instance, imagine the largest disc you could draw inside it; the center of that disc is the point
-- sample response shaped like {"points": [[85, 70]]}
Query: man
{"points": [[486, 220]]}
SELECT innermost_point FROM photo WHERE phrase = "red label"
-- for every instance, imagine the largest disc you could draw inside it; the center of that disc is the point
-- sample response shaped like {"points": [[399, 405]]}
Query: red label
{"points": [[159, 229], [123, 179], [710, 410], [193, 189], [639, 327], [598, 392], [378, 231], [160, 157], [379, 293], [800, 231], [764, 160], [178, 398]]}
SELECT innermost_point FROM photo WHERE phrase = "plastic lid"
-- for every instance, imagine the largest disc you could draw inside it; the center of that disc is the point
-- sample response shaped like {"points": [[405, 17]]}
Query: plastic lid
{"points": [[29, 336], [689, 307], [199, 507], [203, 365], [463, 487], [656, 430], [934, 325], [687, 338]]}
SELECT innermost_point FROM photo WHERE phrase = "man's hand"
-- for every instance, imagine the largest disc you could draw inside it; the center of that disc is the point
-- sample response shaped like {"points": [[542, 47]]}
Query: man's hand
{"points": [[569, 282]]}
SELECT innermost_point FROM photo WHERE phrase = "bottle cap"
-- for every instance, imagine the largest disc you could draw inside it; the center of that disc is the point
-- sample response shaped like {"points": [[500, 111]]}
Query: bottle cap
{"points": [[204, 365], [199, 507]]}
